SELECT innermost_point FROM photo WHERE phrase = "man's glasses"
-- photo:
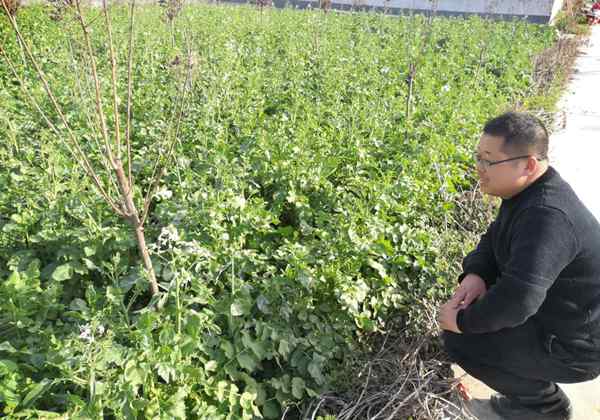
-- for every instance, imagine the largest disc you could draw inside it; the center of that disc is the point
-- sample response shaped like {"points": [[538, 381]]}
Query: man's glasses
{"points": [[486, 164]]}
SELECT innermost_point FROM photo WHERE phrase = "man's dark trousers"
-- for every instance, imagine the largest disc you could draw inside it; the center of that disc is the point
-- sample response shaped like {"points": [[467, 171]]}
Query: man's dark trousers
{"points": [[522, 363]]}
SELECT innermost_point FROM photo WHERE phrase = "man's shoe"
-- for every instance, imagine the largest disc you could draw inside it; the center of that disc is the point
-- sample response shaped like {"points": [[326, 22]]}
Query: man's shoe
{"points": [[512, 410]]}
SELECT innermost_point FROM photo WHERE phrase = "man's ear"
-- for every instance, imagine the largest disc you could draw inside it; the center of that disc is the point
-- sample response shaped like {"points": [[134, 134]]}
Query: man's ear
{"points": [[532, 165]]}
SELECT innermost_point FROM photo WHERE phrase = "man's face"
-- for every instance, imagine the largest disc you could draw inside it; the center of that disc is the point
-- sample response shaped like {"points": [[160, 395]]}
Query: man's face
{"points": [[504, 179]]}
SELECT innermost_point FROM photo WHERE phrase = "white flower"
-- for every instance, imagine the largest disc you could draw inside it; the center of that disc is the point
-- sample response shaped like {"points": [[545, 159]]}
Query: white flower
{"points": [[85, 333], [184, 162], [168, 234], [194, 248], [239, 202], [164, 194]]}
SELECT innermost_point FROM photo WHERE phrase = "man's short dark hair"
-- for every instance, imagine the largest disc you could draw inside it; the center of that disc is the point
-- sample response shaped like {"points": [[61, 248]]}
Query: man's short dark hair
{"points": [[523, 133]]}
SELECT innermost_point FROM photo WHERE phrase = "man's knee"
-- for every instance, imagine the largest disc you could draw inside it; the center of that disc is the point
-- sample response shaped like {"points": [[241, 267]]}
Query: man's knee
{"points": [[453, 344]]}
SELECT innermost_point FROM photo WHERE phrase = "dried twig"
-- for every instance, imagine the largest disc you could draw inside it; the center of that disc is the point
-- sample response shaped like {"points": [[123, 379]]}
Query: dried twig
{"points": [[129, 91], [162, 160], [405, 379], [124, 205], [75, 146]]}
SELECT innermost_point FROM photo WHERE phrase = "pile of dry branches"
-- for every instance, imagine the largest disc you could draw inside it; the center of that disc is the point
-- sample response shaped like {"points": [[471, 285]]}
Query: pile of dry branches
{"points": [[11, 5], [550, 65], [408, 377], [553, 60]]}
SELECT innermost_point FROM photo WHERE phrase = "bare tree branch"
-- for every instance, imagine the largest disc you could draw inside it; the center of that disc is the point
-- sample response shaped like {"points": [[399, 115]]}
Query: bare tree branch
{"points": [[129, 93], [91, 123], [79, 155], [113, 67], [92, 59], [158, 170]]}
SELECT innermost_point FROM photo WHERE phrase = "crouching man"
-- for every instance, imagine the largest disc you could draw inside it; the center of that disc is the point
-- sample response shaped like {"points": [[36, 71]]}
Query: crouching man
{"points": [[527, 312]]}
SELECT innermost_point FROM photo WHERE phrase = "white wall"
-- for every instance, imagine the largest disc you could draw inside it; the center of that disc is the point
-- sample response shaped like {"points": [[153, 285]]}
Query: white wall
{"points": [[513, 7], [541, 8]]}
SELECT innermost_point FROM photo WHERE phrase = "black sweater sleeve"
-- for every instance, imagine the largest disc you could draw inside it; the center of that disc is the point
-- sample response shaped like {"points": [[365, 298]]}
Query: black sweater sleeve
{"points": [[542, 243], [481, 260]]}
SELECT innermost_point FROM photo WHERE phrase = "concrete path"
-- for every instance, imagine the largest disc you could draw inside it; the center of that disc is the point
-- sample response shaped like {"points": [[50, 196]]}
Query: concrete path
{"points": [[575, 153], [575, 150]]}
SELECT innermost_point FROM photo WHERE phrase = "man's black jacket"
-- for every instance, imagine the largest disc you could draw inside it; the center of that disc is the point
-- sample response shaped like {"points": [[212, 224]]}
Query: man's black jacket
{"points": [[540, 258]]}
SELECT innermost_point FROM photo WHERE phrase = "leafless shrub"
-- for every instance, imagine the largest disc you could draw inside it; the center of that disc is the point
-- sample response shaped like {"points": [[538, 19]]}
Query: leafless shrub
{"points": [[552, 68], [172, 9], [550, 62], [472, 211], [325, 5], [11, 5], [573, 8], [409, 377], [59, 8], [261, 4]]}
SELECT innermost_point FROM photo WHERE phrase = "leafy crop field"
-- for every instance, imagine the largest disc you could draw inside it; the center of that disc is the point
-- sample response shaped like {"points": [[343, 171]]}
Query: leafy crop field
{"points": [[315, 194]]}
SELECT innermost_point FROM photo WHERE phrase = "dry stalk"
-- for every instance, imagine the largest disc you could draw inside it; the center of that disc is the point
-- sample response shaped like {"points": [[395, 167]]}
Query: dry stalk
{"points": [[129, 90], [90, 119], [10, 7], [416, 61], [75, 146], [407, 377], [113, 73], [550, 62], [99, 106], [410, 81], [161, 161]]}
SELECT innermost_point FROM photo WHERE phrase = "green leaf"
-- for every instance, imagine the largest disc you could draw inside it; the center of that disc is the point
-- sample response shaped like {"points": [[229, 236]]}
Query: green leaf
{"points": [[166, 372], [271, 410], [79, 305], [256, 346], [284, 348], [113, 354], [134, 374], [210, 366], [35, 392], [298, 387], [177, 402], [8, 365], [314, 369], [247, 400], [378, 267], [90, 264], [248, 404], [16, 280], [239, 308], [62, 272], [236, 309], [221, 389], [246, 361], [7, 347], [89, 251], [233, 395], [227, 347]]}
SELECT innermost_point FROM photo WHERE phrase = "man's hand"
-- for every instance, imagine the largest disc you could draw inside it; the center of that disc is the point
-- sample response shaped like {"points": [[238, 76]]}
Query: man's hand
{"points": [[447, 317], [472, 287]]}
